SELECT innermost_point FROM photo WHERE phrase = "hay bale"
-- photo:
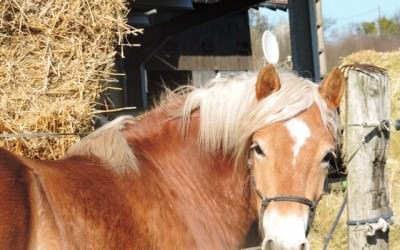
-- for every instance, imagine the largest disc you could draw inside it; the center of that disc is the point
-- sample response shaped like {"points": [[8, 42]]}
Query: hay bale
{"points": [[330, 205], [56, 57], [324, 218]]}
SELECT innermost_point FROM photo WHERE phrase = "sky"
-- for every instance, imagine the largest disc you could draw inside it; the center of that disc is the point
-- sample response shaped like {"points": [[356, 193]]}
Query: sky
{"points": [[356, 11], [345, 12]]}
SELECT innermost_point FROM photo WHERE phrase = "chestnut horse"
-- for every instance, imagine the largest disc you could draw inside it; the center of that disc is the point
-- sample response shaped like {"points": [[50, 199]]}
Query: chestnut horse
{"points": [[176, 177]]}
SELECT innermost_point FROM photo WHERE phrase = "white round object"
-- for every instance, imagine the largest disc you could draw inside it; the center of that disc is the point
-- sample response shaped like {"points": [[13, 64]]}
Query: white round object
{"points": [[270, 47]]}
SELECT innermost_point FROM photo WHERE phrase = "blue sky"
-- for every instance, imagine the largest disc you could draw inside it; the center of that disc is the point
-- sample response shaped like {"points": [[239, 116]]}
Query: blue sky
{"points": [[356, 11], [345, 12]]}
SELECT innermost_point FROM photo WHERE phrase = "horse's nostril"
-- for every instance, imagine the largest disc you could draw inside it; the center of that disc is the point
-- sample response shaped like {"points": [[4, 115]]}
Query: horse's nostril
{"points": [[268, 244]]}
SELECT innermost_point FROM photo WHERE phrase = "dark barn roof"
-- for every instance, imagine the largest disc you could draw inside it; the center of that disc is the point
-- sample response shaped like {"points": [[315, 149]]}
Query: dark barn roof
{"points": [[146, 13], [207, 35]]}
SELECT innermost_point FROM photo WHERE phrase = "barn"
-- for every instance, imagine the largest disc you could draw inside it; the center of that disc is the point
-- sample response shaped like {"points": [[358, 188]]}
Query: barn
{"points": [[190, 40]]}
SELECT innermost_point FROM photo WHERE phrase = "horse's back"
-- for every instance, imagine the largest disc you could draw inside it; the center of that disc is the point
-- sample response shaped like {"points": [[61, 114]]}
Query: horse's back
{"points": [[72, 203], [14, 202]]}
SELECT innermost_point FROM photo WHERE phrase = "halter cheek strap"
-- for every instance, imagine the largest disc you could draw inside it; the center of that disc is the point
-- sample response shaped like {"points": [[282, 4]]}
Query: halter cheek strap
{"points": [[265, 201]]}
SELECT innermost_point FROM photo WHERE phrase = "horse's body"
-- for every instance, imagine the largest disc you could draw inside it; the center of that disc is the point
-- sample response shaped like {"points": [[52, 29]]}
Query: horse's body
{"points": [[174, 178], [175, 202]]}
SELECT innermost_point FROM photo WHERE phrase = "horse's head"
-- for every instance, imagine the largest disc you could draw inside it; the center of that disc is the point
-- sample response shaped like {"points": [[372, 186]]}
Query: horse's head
{"points": [[289, 161]]}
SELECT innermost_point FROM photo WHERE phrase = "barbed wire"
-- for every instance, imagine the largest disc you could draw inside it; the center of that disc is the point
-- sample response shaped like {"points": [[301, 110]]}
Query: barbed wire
{"points": [[31, 135]]}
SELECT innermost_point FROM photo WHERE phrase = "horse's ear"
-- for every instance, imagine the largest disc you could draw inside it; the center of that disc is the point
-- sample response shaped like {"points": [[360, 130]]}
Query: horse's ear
{"points": [[267, 82], [332, 88]]}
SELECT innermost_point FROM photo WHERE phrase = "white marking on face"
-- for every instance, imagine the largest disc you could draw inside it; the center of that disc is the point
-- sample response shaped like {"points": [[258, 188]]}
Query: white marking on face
{"points": [[286, 232], [300, 132]]}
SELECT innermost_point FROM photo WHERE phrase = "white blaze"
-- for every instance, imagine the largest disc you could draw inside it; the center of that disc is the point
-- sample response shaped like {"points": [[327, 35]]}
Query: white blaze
{"points": [[300, 133]]}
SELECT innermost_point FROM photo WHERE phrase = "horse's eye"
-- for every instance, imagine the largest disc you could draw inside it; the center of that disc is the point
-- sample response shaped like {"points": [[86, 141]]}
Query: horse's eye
{"points": [[329, 157], [257, 149], [330, 160]]}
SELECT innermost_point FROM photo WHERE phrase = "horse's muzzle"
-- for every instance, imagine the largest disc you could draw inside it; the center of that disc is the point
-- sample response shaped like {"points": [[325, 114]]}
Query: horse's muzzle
{"points": [[270, 244]]}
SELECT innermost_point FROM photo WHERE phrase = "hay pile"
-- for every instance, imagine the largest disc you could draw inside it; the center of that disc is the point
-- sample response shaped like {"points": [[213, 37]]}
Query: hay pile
{"points": [[56, 57], [330, 205]]}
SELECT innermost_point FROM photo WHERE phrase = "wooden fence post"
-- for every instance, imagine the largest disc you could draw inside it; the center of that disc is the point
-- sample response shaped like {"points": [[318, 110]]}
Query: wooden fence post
{"points": [[365, 148]]}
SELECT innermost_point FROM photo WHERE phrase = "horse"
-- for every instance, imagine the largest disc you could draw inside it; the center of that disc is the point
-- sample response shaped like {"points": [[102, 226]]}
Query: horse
{"points": [[289, 162], [192, 173]]}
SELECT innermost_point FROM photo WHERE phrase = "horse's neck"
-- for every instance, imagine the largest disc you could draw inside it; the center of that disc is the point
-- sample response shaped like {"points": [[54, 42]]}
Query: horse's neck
{"points": [[210, 197]]}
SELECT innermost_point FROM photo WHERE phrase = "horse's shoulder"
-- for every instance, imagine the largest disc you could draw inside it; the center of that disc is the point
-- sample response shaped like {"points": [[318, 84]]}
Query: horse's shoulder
{"points": [[14, 202]]}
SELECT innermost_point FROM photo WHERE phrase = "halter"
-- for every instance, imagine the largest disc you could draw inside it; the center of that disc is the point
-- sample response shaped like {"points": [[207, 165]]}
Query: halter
{"points": [[265, 201]]}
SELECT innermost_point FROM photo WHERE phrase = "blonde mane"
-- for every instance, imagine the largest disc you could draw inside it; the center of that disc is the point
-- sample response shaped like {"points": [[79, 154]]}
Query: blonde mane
{"points": [[109, 145], [229, 116]]}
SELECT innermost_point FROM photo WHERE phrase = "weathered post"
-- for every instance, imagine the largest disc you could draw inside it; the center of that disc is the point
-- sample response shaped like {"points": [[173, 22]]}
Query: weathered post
{"points": [[366, 145]]}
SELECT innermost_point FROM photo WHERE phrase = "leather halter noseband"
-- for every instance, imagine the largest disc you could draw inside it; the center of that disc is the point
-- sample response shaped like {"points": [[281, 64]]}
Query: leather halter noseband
{"points": [[265, 201]]}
